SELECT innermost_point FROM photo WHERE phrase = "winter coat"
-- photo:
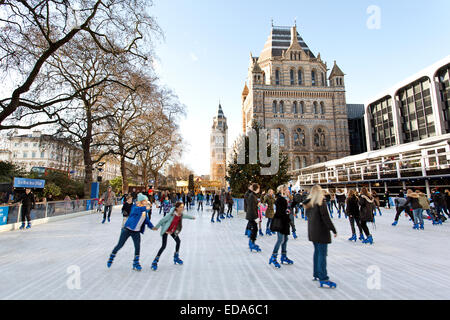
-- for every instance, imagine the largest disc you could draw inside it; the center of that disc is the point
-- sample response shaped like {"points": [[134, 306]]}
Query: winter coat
{"points": [[438, 199], [327, 197], [412, 200], [270, 201], [319, 223], [352, 207], [216, 203], [399, 201], [340, 197], [246, 195], [367, 205], [252, 207], [135, 216], [110, 199], [423, 201], [126, 209], [165, 222], [28, 200], [281, 216]]}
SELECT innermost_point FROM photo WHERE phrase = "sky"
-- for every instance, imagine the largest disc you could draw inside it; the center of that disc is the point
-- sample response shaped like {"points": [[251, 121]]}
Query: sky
{"points": [[205, 52]]}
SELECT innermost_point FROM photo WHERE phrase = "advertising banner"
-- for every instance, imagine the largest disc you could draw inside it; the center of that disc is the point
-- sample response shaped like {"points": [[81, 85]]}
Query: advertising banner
{"points": [[3, 215]]}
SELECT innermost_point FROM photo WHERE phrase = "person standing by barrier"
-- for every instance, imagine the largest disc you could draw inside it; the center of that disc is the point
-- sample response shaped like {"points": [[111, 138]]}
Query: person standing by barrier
{"points": [[28, 203], [109, 199], [319, 227]]}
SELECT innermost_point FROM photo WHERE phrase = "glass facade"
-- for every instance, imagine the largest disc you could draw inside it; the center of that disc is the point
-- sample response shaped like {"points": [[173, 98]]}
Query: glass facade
{"points": [[382, 123], [444, 90], [416, 111]]}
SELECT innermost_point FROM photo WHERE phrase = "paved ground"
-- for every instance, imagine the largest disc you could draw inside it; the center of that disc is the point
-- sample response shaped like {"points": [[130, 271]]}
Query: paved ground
{"points": [[42, 263]]}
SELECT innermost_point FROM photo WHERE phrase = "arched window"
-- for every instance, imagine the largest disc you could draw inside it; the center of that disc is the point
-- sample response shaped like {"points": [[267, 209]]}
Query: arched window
{"points": [[281, 107], [274, 107], [325, 159], [318, 160], [282, 138], [297, 163], [300, 77], [292, 77], [315, 108], [313, 78], [323, 79], [319, 138], [294, 107], [277, 77], [322, 108], [316, 140], [305, 162], [299, 137], [302, 107]]}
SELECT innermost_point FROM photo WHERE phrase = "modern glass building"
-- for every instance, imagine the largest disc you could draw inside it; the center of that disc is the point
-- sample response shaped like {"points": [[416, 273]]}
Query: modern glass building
{"points": [[413, 110]]}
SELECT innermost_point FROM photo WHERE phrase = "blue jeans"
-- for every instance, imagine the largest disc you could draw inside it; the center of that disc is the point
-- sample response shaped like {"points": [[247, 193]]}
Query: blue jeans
{"points": [[320, 261], [281, 241], [418, 218], [124, 235]]}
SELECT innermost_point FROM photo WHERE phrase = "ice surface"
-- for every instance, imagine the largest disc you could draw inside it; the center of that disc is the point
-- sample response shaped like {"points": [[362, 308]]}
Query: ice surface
{"points": [[218, 264]]}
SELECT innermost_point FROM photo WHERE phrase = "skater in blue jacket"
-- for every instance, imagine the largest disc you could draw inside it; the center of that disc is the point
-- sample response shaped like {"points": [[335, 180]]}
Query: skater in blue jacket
{"points": [[133, 228]]}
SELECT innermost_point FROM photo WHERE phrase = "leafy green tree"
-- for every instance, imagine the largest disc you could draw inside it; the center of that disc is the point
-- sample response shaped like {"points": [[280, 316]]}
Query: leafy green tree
{"points": [[9, 170], [52, 188], [239, 176]]}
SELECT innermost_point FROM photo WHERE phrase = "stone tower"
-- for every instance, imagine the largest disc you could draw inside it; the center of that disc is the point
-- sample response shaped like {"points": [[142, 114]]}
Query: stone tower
{"points": [[219, 143], [287, 89]]}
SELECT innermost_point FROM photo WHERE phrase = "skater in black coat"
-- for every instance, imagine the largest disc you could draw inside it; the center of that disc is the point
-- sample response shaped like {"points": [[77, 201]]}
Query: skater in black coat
{"points": [[281, 225], [319, 227], [367, 206], [252, 216], [28, 203], [216, 208], [352, 212], [247, 228]]}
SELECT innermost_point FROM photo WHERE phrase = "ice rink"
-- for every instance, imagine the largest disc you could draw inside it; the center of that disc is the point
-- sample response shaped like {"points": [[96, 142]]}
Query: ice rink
{"points": [[43, 263]]}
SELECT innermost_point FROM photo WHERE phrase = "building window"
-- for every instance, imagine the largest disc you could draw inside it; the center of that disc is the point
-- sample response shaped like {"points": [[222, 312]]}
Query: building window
{"points": [[299, 137], [277, 77], [35, 144], [42, 154], [319, 138], [323, 80], [297, 163], [282, 139], [313, 78], [25, 155], [300, 77], [416, 111], [292, 77], [302, 107], [281, 107], [294, 107], [382, 123], [318, 160], [315, 108], [33, 154], [443, 76], [322, 108], [16, 144], [274, 107], [305, 162]]}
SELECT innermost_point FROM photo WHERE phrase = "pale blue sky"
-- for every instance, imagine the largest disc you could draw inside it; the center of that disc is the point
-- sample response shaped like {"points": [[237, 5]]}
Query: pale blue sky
{"points": [[205, 54]]}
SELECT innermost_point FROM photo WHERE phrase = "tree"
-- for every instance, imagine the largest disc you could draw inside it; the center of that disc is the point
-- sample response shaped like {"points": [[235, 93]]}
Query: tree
{"points": [[240, 176], [33, 32], [9, 170]]}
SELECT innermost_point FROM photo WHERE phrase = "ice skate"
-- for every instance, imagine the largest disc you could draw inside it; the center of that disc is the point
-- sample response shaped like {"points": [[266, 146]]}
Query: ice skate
{"points": [[328, 283], [111, 259], [273, 260], [285, 259], [368, 240], [294, 235], [22, 226], [395, 223], [353, 238], [176, 259], [136, 265], [155, 264]]}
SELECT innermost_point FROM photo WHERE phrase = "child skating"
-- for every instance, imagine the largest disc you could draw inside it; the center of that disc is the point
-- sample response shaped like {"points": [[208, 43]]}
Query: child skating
{"points": [[133, 228], [171, 225]]}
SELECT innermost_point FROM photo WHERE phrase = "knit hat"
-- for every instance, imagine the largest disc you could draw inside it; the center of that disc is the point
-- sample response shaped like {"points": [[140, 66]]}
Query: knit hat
{"points": [[141, 197]]}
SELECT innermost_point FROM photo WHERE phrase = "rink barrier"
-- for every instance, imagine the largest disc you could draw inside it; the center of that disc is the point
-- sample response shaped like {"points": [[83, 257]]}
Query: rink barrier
{"points": [[238, 205], [10, 217]]}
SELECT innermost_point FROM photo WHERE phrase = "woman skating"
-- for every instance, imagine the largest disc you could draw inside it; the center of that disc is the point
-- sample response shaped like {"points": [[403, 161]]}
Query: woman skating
{"points": [[367, 205], [269, 200], [412, 200], [133, 228], [319, 227], [281, 226], [216, 208], [171, 225], [352, 212]]}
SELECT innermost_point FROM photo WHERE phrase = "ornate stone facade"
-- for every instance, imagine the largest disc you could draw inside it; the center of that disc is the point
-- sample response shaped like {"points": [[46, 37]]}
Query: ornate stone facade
{"points": [[218, 143], [287, 89]]}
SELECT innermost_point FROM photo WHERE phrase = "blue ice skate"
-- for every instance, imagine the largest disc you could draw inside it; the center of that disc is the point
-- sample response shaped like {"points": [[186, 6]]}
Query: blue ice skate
{"points": [[395, 223], [111, 259], [294, 235], [22, 226], [328, 283], [136, 265], [273, 260], [253, 246], [155, 264], [261, 233], [416, 226], [103, 221], [421, 226], [176, 259], [353, 238], [368, 240], [361, 237], [285, 259], [28, 226]]}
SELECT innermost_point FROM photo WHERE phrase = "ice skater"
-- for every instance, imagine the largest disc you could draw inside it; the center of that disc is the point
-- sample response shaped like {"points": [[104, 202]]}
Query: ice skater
{"points": [[171, 225], [252, 217], [133, 228], [269, 200], [216, 208]]}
